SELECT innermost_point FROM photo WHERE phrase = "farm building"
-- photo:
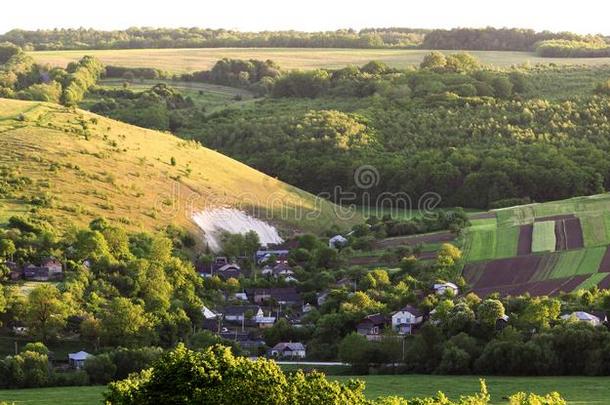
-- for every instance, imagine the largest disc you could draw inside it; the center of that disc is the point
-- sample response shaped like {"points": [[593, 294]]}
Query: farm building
{"points": [[283, 295], [372, 326], [443, 288], [77, 360], [50, 269], [337, 242], [405, 320], [289, 350], [238, 313], [582, 316]]}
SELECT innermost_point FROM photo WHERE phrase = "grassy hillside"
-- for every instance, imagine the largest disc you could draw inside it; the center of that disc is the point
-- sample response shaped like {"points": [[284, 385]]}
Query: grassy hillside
{"points": [[541, 248], [70, 166], [188, 60]]}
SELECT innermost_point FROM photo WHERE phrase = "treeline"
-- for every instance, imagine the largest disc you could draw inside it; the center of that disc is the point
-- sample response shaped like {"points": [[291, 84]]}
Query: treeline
{"points": [[33, 367], [561, 48], [139, 38], [503, 39], [229, 379], [21, 77], [491, 39]]}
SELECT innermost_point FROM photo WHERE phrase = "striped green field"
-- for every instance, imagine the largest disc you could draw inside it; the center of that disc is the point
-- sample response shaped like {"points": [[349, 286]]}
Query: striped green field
{"points": [[577, 262], [543, 237], [481, 240], [593, 229], [507, 240], [497, 238], [592, 281]]}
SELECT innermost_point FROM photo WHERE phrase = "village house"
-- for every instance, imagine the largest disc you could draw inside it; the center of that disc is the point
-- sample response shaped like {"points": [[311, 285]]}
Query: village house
{"points": [[15, 272], [372, 326], [281, 256], [221, 267], [443, 288], [582, 316], [406, 320], [238, 313], [337, 242], [77, 360], [289, 350], [50, 269], [282, 296]]}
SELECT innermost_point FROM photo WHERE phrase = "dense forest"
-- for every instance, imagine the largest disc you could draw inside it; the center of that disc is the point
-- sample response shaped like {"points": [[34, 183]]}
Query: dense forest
{"points": [[503, 39], [476, 136]]}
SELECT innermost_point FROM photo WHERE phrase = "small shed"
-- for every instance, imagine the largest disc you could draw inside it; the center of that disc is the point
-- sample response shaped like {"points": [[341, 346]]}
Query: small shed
{"points": [[77, 360]]}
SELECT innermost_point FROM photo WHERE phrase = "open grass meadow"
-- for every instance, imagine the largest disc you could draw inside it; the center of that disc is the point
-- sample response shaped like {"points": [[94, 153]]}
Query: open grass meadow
{"points": [[86, 166], [576, 390], [188, 60]]}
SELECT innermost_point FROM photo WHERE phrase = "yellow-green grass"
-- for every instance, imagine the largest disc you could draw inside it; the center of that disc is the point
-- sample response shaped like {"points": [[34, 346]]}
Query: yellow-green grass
{"points": [[591, 281], [188, 60], [92, 166], [543, 237], [596, 229], [576, 390]]}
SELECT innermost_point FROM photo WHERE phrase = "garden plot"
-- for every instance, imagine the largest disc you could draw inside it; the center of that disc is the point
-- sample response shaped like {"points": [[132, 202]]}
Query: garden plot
{"points": [[543, 237]]}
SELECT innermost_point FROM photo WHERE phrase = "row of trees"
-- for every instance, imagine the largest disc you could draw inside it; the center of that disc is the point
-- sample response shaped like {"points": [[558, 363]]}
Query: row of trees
{"points": [[562, 48], [208, 38], [503, 39], [21, 77], [223, 378]]}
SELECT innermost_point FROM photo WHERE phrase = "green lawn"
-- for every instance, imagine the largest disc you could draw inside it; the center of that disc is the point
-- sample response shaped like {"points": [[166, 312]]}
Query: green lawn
{"points": [[543, 237], [54, 396], [577, 390]]}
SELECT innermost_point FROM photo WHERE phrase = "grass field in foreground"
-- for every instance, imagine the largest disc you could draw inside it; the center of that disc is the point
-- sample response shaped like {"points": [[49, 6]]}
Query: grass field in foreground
{"points": [[576, 390], [54, 395], [188, 60]]}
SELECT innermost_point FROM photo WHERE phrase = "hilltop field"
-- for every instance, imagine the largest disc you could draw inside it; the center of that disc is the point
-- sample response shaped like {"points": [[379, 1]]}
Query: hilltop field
{"points": [[71, 166], [189, 60], [542, 249]]}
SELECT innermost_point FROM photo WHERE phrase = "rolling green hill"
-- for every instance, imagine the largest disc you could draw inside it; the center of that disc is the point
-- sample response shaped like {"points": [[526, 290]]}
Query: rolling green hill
{"points": [[69, 166]]}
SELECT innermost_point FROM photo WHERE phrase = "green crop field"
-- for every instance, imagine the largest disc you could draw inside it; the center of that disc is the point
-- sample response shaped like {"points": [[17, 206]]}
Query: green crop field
{"points": [[594, 214], [543, 237], [592, 281], [188, 60], [507, 237], [481, 243]]}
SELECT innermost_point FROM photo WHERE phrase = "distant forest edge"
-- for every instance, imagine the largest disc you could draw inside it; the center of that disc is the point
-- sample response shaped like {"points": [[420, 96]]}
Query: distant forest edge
{"points": [[545, 43]]}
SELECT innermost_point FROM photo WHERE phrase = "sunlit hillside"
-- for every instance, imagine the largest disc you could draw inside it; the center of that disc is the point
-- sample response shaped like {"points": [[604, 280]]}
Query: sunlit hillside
{"points": [[71, 166]]}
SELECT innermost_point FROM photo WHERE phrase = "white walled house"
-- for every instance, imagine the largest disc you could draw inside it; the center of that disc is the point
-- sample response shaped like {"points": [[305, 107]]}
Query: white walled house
{"points": [[289, 350], [442, 288], [404, 320]]}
